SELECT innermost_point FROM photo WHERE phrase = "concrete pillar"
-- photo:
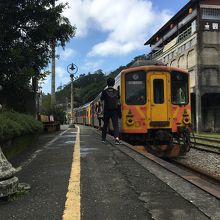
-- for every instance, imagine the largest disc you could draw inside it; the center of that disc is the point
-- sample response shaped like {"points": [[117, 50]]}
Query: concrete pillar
{"points": [[8, 182], [198, 111]]}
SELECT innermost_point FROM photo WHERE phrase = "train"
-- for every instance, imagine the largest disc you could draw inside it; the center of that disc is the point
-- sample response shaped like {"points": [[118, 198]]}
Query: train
{"points": [[155, 106]]}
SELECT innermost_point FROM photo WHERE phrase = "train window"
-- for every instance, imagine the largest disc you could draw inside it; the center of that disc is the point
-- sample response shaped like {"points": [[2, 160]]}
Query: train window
{"points": [[135, 88], [158, 91], [119, 92], [179, 88]]}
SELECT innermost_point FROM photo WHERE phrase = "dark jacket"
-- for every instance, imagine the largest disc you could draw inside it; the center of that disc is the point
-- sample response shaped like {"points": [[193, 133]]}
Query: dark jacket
{"points": [[110, 97]]}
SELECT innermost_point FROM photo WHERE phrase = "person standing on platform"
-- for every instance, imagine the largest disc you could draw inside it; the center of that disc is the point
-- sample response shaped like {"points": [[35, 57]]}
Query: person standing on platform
{"points": [[110, 97]]}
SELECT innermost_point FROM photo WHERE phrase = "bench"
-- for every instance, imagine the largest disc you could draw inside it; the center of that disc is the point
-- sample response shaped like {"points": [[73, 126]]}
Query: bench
{"points": [[49, 124]]}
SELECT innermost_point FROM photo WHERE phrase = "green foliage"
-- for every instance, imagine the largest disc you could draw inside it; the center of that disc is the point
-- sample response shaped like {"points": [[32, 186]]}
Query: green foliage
{"points": [[63, 95], [13, 124], [46, 102], [28, 29]]}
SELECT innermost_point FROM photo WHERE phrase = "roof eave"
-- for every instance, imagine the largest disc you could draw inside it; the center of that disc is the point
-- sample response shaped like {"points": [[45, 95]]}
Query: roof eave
{"points": [[178, 14]]}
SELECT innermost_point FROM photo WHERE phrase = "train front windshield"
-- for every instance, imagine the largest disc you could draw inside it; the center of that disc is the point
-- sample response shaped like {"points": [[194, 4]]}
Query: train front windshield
{"points": [[135, 88], [179, 88]]}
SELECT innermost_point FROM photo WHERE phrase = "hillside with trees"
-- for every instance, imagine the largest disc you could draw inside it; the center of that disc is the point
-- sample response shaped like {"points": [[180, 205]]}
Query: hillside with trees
{"points": [[87, 86]]}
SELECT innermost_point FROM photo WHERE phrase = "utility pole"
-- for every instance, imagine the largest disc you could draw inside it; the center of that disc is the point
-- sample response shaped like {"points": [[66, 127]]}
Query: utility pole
{"points": [[53, 82], [53, 74], [72, 100]]}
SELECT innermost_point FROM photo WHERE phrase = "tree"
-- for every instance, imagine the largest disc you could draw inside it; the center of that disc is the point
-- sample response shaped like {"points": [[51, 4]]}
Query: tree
{"points": [[46, 102], [28, 27]]}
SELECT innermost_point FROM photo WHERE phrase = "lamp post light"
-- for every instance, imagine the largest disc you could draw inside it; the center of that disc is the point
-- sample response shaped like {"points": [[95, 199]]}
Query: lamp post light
{"points": [[72, 69]]}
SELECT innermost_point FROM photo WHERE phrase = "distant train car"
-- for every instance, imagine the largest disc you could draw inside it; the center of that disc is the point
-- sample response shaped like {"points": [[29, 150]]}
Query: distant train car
{"points": [[87, 114], [156, 110], [82, 115]]}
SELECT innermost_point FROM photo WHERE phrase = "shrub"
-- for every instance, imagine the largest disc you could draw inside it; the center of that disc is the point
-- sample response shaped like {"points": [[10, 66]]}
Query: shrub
{"points": [[13, 124]]}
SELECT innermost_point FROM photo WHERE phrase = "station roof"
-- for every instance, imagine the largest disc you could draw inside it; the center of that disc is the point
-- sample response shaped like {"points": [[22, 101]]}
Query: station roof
{"points": [[179, 15]]}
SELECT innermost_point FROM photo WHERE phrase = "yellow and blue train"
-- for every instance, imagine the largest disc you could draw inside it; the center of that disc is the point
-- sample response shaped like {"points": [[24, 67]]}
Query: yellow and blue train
{"points": [[155, 105]]}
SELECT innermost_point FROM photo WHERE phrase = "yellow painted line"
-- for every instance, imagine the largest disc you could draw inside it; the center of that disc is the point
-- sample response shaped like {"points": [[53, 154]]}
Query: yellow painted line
{"points": [[72, 205]]}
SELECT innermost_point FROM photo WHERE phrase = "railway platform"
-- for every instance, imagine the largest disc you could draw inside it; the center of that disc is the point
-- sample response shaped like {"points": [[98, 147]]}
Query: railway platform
{"points": [[73, 175], [125, 185]]}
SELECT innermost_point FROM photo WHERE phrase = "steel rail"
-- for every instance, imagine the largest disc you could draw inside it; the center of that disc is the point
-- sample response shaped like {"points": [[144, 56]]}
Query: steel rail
{"points": [[197, 170], [207, 149], [217, 140], [206, 137]]}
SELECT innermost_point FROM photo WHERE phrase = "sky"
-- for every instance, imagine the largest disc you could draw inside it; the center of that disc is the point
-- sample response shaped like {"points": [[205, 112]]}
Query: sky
{"points": [[109, 34]]}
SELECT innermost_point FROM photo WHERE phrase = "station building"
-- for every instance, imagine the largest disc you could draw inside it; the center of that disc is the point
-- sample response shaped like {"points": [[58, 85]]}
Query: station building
{"points": [[191, 40]]}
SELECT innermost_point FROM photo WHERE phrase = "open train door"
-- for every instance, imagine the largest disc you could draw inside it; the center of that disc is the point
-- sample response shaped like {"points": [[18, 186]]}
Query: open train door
{"points": [[158, 94]]}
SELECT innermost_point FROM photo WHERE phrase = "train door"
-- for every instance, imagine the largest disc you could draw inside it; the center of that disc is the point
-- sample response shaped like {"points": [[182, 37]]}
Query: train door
{"points": [[92, 113], [89, 114], [84, 116], [159, 112]]}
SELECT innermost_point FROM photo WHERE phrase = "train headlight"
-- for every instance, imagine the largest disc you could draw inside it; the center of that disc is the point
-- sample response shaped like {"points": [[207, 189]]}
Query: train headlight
{"points": [[129, 121], [186, 119], [129, 118]]}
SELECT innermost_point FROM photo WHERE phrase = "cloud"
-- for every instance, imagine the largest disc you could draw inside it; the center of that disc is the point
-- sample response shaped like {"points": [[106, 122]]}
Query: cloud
{"points": [[62, 74], [62, 77], [110, 47], [77, 12], [67, 53], [127, 24], [92, 66]]}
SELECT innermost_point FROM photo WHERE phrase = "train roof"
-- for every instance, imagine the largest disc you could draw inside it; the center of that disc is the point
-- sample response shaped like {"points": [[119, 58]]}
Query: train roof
{"points": [[148, 63], [154, 68], [87, 104]]}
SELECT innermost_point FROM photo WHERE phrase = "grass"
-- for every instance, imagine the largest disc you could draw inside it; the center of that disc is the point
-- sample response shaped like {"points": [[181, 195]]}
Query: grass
{"points": [[14, 124]]}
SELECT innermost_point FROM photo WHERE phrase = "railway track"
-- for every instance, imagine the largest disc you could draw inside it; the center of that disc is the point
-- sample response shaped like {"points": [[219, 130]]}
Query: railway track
{"points": [[200, 171], [201, 136], [208, 184], [206, 144]]}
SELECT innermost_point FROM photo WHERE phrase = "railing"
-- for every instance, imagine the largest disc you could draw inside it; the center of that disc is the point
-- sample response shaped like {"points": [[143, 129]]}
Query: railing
{"points": [[181, 37]]}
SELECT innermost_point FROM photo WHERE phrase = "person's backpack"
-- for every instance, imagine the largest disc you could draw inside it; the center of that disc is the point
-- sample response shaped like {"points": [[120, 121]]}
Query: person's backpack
{"points": [[111, 98]]}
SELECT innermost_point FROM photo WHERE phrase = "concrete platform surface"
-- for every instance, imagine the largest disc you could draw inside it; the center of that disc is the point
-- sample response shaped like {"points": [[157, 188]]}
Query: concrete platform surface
{"points": [[110, 183]]}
